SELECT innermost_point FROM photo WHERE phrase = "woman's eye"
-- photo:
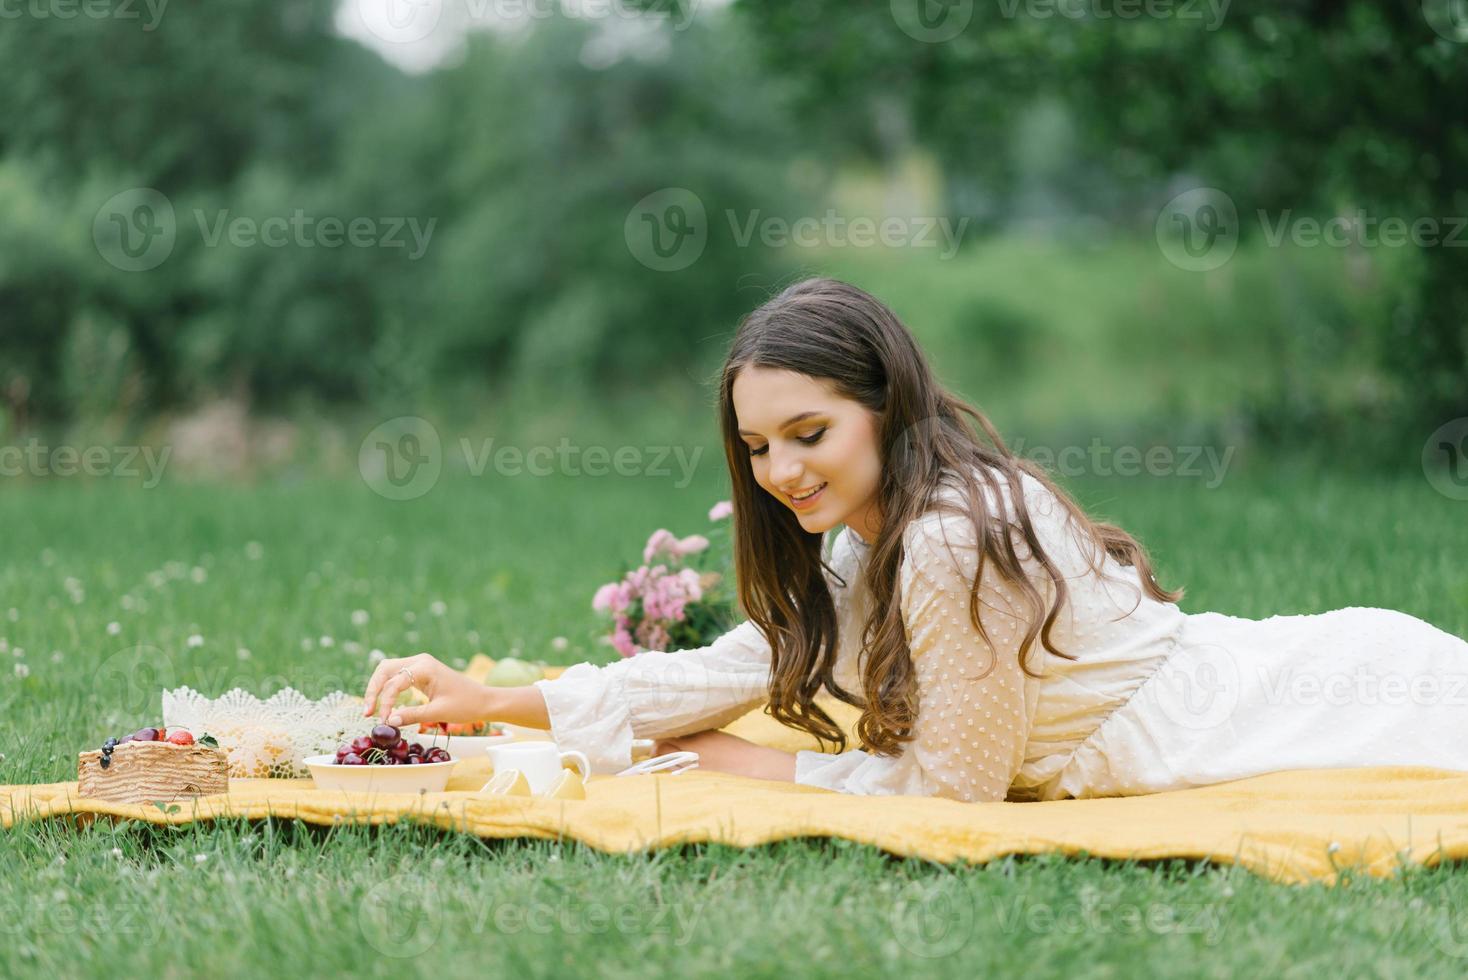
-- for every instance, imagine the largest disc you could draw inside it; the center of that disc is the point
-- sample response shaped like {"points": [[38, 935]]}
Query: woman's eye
{"points": [[809, 440]]}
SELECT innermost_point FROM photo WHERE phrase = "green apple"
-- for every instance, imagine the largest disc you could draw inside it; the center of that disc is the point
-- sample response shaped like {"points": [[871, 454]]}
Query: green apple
{"points": [[512, 672]]}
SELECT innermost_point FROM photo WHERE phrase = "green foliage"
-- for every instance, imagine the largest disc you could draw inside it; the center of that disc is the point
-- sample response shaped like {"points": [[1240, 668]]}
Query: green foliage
{"points": [[502, 183]]}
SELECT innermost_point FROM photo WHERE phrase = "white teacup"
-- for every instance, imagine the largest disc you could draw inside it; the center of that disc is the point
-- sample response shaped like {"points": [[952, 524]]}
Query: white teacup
{"points": [[541, 762]]}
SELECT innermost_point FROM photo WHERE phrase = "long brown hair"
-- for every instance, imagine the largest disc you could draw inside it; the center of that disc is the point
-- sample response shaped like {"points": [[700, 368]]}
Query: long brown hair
{"points": [[833, 331]]}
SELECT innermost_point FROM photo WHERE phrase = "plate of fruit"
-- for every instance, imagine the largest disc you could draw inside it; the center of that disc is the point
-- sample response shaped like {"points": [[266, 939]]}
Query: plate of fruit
{"points": [[468, 740], [383, 761]]}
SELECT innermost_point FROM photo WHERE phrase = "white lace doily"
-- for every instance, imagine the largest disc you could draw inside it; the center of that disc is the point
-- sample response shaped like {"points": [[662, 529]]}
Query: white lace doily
{"points": [[271, 737]]}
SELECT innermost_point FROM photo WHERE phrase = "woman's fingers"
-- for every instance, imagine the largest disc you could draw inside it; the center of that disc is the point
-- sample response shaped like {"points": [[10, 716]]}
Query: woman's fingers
{"points": [[396, 685], [410, 714], [380, 676]]}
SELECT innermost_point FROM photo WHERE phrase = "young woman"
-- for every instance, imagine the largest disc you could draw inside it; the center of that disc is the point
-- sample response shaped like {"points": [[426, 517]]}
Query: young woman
{"points": [[998, 642]]}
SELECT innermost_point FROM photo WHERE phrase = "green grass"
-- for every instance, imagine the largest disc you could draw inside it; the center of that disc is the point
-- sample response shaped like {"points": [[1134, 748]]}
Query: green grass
{"points": [[514, 561]]}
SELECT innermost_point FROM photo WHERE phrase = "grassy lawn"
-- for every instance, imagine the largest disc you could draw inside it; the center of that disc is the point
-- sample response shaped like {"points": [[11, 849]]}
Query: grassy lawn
{"points": [[268, 577]]}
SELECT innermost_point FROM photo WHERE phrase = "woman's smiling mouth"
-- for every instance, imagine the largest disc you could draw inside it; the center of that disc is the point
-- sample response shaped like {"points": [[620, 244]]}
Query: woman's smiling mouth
{"points": [[808, 499]]}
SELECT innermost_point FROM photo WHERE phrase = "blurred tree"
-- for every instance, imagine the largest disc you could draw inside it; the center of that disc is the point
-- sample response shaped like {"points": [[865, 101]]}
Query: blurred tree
{"points": [[1290, 106]]}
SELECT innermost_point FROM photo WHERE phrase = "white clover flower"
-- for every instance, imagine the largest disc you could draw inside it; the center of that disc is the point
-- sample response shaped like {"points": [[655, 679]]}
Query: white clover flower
{"points": [[376, 657], [198, 574], [326, 641], [243, 653], [127, 602], [409, 615], [200, 858], [254, 550], [439, 607], [559, 643], [14, 614], [307, 644], [114, 628], [351, 646], [116, 852], [22, 671], [411, 636], [56, 656], [360, 617], [18, 653], [194, 641]]}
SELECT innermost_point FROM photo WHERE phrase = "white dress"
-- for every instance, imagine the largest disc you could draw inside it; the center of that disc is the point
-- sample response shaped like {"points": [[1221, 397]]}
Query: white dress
{"points": [[1156, 699]]}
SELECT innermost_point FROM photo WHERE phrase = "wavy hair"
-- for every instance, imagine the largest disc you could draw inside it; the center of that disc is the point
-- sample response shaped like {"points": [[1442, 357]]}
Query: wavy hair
{"points": [[832, 331]]}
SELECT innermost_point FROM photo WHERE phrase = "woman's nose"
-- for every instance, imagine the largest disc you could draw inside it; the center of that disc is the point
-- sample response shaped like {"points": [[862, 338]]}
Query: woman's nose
{"points": [[785, 470]]}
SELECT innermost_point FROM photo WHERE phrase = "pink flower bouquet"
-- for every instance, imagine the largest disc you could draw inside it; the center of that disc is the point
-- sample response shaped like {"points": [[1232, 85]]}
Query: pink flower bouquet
{"points": [[674, 600]]}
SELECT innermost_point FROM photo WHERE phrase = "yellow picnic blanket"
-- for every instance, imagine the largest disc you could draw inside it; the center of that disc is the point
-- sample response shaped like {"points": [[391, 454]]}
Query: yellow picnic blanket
{"points": [[1292, 827]]}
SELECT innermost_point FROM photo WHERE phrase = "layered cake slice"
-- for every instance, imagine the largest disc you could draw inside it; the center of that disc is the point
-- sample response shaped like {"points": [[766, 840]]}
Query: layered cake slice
{"points": [[153, 766]]}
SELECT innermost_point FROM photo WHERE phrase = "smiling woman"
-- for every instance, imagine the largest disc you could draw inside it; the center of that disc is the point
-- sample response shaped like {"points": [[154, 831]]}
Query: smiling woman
{"points": [[956, 556]]}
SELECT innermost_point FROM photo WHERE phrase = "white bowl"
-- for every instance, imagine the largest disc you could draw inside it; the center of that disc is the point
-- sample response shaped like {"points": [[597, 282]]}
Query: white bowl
{"points": [[431, 777]]}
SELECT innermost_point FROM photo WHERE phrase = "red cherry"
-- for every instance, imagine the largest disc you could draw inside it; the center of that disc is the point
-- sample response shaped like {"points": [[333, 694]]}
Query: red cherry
{"points": [[353, 759], [361, 744]]}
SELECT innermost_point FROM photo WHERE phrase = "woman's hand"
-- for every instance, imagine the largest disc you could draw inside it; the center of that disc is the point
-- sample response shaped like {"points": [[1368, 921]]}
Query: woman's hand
{"points": [[452, 696], [722, 752]]}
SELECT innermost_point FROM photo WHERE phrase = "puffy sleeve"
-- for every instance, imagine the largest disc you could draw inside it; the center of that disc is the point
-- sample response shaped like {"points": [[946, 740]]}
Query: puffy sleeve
{"points": [[600, 710], [975, 703]]}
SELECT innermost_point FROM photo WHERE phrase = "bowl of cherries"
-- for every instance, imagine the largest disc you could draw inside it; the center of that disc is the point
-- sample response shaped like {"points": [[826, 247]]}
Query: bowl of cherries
{"points": [[382, 762]]}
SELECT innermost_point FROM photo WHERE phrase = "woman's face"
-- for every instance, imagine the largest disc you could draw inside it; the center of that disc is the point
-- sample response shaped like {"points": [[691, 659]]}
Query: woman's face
{"points": [[801, 437]]}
